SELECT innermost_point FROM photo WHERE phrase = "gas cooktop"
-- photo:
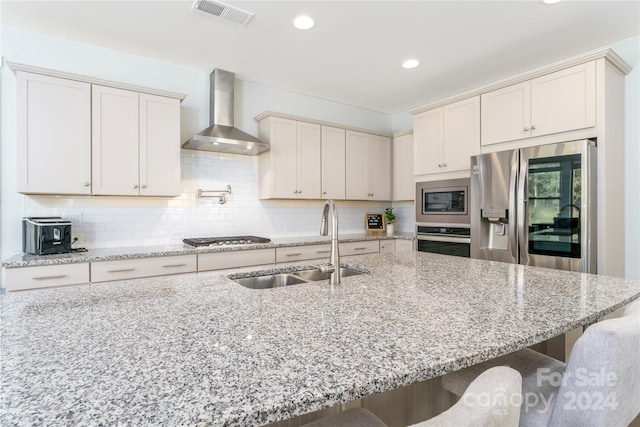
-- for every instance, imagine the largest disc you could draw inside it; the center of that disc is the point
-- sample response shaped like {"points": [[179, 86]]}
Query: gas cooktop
{"points": [[223, 241]]}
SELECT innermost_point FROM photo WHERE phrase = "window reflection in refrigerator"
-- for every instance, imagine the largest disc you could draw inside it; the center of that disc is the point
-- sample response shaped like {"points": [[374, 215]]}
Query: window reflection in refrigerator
{"points": [[554, 199]]}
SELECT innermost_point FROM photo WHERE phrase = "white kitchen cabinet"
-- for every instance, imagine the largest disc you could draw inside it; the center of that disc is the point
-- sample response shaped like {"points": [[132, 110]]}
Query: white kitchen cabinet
{"points": [[360, 248], [561, 101], [301, 253], [291, 168], [333, 163], [368, 166], [135, 143], [403, 245], [446, 137], [54, 135], [106, 271], [387, 246], [235, 259], [403, 180], [46, 276]]}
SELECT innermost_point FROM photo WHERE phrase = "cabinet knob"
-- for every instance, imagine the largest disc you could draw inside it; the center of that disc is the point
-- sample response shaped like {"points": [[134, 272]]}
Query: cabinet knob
{"points": [[299, 191], [533, 127], [324, 192], [439, 165], [143, 186], [295, 192], [86, 184], [136, 186], [444, 164], [526, 128]]}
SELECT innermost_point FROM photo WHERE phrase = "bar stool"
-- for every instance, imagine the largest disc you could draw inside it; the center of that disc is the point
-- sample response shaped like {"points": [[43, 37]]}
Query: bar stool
{"points": [[491, 400], [600, 385]]}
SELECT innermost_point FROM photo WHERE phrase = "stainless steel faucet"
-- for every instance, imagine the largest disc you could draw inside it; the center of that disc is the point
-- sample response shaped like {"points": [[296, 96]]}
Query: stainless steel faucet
{"points": [[334, 260]]}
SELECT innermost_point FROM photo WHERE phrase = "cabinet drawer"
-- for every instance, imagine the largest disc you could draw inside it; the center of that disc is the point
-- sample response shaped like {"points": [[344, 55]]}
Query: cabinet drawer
{"points": [[18, 279], [387, 246], [300, 253], [105, 271], [222, 260], [359, 248], [404, 245]]}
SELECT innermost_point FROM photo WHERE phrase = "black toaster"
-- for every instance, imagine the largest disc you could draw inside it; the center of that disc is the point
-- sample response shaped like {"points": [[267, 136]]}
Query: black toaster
{"points": [[46, 235]]}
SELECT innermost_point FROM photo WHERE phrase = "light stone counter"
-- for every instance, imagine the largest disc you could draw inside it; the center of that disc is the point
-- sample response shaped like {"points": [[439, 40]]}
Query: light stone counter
{"points": [[111, 254], [199, 349]]}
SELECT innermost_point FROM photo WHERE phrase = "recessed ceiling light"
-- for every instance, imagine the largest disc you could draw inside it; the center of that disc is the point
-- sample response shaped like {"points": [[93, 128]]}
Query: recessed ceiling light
{"points": [[551, 1], [303, 22], [410, 63]]}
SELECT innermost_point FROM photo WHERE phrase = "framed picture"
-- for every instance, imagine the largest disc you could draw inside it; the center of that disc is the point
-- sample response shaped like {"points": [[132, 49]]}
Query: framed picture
{"points": [[374, 221]]}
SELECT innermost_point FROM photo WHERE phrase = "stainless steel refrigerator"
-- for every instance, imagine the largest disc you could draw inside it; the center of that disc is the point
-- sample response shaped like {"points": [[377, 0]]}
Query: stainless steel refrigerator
{"points": [[536, 206]]}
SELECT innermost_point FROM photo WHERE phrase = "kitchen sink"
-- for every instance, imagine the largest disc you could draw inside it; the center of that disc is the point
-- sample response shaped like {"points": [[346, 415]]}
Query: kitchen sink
{"points": [[270, 281], [278, 280], [315, 274]]}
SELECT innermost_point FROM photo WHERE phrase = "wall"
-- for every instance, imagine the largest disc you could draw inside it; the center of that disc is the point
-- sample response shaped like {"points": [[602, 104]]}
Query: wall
{"points": [[119, 221]]}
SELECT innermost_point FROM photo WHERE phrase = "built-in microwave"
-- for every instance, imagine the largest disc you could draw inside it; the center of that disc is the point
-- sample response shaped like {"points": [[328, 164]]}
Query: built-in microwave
{"points": [[443, 202]]}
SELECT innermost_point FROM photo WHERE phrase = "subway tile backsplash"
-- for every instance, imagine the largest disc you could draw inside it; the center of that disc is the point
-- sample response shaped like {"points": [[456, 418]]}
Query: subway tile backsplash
{"points": [[101, 221]]}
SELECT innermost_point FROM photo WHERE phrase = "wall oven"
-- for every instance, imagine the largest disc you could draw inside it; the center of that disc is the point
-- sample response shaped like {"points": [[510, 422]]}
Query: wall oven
{"points": [[443, 217], [444, 240]]}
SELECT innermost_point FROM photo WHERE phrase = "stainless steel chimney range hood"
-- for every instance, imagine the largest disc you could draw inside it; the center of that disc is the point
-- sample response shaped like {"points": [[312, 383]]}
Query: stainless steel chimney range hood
{"points": [[221, 136]]}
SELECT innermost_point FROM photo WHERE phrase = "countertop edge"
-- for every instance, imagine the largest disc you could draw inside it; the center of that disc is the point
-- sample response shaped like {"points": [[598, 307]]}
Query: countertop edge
{"points": [[140, 252]]}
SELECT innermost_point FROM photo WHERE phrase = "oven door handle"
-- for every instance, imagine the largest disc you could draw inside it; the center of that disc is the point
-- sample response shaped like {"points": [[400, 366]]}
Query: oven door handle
{"points": [[445, 239]]}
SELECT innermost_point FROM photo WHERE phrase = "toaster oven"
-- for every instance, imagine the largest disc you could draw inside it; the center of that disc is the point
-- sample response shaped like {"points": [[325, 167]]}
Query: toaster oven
{"points": [[46, 235]]}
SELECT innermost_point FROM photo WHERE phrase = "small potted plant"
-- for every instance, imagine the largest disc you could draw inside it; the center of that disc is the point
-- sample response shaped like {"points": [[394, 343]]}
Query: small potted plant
{"points": [[391, 218]]}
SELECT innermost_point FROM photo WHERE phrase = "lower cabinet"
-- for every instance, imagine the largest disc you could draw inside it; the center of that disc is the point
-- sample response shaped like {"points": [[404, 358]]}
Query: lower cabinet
{"points": [[387, 246], [396, 245], [403, 245], [301, 253], [106, 271], [234, 259], [360, 248], [46, 276]]}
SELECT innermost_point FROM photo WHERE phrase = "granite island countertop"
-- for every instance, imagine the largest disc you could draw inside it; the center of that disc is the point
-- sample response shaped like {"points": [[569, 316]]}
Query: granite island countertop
{"points": [[199, 349], [132, 252]]}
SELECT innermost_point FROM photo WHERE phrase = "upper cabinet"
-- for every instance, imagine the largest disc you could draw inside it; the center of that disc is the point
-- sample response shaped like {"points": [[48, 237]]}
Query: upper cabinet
{"points": [[368, 166], [291, 168], [445, 138], [403, 181], [54, 135], [333, 163], [557, 102], [77, 138]]}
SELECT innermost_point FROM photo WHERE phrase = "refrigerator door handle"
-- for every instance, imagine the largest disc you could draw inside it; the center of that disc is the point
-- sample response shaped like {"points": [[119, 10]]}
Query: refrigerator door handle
{"points": [[523, 238], [513, 204]]}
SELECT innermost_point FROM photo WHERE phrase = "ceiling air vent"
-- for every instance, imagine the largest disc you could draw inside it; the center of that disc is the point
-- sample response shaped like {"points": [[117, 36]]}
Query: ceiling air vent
{"points": [[223, 11]]}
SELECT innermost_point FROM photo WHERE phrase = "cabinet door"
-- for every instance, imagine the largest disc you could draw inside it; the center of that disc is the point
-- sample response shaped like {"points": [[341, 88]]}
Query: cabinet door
{"points": [[357, 182], [506, 114], [461, 134], [159, 146], [54, 135], [403, 182], [379, 168], [114, 141], [427, 142], [333, 163], [283, 156], [564, 100], [308, 160]]}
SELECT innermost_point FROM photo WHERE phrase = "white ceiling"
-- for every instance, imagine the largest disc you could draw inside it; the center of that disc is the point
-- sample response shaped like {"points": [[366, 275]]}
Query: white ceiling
{"points": [[354, 53]]}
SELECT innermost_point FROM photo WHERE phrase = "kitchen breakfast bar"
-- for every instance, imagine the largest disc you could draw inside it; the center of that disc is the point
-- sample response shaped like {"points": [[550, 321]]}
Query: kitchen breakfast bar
{"points": [[199, 349]]}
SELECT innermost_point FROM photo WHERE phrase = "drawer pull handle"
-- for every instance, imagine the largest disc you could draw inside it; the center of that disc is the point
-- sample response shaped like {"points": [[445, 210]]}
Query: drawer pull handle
{"points": [[359, 249], [296, 254], [323, 252], [173, 265], [122, 270], [59, 276]]}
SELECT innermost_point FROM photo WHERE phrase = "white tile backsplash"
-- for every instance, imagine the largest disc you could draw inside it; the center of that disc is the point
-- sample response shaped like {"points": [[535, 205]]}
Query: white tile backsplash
{"points": [[132, 221]]}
